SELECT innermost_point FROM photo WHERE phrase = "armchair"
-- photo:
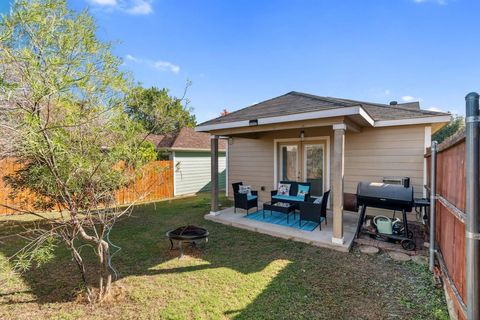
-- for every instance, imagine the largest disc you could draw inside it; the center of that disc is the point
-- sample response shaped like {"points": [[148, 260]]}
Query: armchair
{"points": [[316, 212], [243, 200]]}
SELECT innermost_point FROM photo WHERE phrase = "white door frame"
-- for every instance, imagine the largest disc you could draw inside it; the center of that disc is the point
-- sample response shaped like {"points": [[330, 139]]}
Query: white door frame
{"points": [[327, 157]]}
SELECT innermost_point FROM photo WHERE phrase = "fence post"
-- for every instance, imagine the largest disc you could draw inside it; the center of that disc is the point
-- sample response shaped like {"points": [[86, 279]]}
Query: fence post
{"points": [[472, 230], [433, 202]]}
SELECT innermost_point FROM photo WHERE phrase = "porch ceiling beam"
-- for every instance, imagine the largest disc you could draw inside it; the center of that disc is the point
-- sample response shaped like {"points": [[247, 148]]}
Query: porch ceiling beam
{"points": [[351, 126], [280, 126]]}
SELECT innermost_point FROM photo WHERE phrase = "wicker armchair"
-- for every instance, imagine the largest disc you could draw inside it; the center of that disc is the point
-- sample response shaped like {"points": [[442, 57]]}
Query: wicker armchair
{"points": [[242, 200], [316, 212]]}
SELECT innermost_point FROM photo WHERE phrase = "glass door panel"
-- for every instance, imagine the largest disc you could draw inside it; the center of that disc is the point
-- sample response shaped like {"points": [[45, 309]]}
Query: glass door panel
{"points": [[288, 162], [314, 167]]}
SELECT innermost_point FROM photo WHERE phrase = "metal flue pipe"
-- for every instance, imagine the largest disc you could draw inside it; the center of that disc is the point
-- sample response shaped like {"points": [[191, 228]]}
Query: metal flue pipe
{"points": [[433, 199], [472, 228]]}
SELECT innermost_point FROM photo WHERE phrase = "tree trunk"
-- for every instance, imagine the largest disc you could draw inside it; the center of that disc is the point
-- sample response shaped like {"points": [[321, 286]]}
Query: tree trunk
{"points": [[105, 281], [81, 266]]}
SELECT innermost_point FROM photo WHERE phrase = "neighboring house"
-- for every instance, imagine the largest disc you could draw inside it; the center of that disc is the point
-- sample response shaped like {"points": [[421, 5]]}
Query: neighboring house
{"points": [[333, 143], [190, 154]]}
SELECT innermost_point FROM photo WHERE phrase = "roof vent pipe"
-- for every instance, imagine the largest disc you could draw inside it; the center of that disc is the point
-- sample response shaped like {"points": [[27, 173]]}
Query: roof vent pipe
{"points": [[393, 103]]}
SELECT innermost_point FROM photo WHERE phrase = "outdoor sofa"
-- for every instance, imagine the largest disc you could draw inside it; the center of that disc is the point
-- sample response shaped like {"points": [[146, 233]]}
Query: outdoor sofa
{"points": [[293, 196]]}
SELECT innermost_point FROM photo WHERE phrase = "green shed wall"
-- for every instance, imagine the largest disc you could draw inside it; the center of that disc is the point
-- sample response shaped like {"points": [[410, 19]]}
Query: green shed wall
{"points": [[192, 172]]}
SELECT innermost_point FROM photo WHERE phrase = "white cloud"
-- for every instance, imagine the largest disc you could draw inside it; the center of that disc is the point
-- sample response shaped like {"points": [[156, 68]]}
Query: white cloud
{"points": [[165, 66], [132, 58], [410, 99], [140, 7], [439, 2], [104, 2], [157, 64], [386, 92], [135, 7], [435, 109]]}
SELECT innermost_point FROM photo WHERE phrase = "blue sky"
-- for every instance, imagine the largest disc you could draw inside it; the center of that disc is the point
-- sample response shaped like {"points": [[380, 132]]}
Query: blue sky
{"points": [[237, 53]]}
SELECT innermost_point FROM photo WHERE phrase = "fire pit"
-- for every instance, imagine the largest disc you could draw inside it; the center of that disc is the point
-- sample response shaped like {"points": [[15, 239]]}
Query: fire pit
{"points": [[187, 234]]}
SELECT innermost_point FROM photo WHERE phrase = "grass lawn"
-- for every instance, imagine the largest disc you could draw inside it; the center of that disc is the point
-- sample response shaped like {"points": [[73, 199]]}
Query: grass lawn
{"points": [[239, 275]]}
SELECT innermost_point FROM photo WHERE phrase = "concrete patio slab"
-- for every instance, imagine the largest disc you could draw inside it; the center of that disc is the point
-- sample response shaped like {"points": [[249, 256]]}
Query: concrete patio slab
{"points": [[319, 238]]}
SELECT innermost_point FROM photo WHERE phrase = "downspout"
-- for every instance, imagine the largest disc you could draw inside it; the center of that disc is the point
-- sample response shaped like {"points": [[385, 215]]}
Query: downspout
{"points": [[433, 202], [472, 229]]}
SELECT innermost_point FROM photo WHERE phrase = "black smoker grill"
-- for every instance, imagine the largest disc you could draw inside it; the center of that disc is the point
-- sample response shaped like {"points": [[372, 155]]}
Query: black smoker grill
{"points": [[390, 197]]}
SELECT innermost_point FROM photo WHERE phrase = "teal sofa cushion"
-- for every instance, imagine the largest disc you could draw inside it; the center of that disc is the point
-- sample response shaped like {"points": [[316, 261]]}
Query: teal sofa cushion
{"points": [[250, 197], [291, 198]]}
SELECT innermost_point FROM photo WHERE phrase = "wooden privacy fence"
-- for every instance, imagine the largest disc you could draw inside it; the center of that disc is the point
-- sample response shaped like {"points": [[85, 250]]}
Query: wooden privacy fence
{"points": [[450, 218], [155, 183]]}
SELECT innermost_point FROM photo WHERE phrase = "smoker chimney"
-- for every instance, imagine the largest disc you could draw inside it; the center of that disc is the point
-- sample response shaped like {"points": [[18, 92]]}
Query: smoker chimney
{"points": [[393, 103]]}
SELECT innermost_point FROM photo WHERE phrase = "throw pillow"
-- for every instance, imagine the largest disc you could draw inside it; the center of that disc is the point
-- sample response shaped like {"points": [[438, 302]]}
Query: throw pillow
{"points": [[302, 190], [245, 190], [283, 189], [318, 200]]}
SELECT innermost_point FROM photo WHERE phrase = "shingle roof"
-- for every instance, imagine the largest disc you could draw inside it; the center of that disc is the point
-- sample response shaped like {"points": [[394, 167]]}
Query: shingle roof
{"points": [[186, 138], [298, 102]]}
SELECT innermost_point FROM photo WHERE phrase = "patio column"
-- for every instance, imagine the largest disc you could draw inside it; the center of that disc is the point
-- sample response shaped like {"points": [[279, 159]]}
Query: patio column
{"points": [[337, 183], [214, 174]]}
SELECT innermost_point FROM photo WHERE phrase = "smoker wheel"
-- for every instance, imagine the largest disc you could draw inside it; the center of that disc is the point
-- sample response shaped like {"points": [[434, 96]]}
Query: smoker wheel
{"points": [[408, 245]]}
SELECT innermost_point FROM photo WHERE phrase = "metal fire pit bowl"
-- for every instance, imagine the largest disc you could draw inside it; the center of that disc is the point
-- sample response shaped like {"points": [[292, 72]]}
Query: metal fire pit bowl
{"points": [[189, 235]]}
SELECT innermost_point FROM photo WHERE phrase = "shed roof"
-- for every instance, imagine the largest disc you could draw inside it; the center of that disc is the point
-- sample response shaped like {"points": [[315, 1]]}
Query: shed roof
{"points": [[185, 139]]}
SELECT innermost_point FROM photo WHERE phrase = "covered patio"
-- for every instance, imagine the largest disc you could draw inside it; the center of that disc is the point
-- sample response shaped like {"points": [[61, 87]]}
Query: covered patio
{"points": [[330, 143], [327, 134], [320, 238]]}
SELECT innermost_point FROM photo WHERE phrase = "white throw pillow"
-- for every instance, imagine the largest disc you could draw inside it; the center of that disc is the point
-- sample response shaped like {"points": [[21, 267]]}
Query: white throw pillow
{"points": [[283, 189], [245, 190]]}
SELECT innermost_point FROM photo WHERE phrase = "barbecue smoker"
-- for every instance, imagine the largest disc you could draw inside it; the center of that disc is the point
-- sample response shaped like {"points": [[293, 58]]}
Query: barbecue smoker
{"points": [[390, 197]]}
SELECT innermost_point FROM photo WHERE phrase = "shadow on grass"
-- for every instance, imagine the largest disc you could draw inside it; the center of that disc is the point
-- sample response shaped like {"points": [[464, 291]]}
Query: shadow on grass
{"points": [[143, 244], [312, 283]]}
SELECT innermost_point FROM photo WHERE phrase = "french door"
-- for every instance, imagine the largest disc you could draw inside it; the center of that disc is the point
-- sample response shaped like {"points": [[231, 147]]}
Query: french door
{"points": [[289, 160], [314, 167], [303, 161]]}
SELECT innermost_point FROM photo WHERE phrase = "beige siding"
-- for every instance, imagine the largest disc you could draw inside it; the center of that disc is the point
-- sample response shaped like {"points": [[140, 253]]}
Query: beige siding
{"points": [[192, 172], [375, 153], [369, 156], [251, 161]]}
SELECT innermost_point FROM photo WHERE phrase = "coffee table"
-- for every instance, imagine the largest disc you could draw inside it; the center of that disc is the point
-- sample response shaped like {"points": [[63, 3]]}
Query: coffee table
{"points": [[282, 207]]}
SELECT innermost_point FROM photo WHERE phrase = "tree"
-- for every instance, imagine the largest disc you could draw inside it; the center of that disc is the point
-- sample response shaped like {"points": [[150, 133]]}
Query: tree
{"points": [[62, 102], [455, 124], [159, 112]]}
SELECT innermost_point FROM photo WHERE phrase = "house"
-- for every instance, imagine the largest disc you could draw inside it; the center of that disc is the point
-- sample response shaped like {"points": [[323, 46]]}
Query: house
{"points": [[331, 142], [190, 155]]}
